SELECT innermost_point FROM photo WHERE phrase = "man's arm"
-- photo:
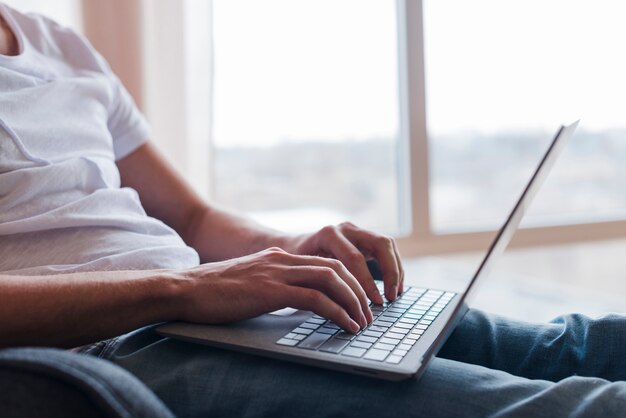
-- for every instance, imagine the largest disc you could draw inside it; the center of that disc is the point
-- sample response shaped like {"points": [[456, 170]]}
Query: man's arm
{"points": [[217, 234], [214, 233], [67, 310]]}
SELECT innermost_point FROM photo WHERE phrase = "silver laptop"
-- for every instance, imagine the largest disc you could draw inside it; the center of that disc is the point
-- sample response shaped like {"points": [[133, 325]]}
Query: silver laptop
{"points": [[404, 335]]}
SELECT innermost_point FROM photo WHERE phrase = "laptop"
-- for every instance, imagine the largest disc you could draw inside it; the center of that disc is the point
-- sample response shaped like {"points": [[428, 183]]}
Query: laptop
{"points": [[404, 335]]}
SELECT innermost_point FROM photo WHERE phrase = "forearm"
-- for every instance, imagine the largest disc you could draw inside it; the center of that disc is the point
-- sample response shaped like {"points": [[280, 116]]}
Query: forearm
{"points": [[214, 233], [219, 235], [69, 310]]}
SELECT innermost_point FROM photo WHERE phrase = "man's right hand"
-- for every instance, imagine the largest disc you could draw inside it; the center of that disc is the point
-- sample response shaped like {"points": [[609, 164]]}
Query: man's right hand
{"points": [[269, 280]]}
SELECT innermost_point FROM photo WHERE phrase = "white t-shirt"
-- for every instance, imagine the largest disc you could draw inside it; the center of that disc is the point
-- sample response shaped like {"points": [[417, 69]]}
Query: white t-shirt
{"points": [[64, 121]]}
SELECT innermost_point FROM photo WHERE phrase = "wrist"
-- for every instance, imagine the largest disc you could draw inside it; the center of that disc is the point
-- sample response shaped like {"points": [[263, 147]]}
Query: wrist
{"points": [[170, 293]]}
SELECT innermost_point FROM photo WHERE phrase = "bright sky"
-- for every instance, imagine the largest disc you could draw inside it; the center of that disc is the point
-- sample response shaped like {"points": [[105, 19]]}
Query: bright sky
{"points": [[327, 69], [323, 69], [494, 64]]}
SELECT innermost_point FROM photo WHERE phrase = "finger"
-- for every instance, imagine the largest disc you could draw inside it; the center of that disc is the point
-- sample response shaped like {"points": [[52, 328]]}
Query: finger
{"points": [[326, 280], [286, 259], [382, 248], [317, 302], [347, 276], [342, 249], [400, 267]]}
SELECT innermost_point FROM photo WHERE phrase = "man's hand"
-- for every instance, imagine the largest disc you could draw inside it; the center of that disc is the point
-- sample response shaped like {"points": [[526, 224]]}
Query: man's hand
{"points": [[353, 246], [273, 279]]}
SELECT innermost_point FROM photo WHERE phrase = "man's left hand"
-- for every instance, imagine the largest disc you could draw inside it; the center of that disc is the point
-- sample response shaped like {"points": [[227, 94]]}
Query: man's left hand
{"points": [[353, 246]]}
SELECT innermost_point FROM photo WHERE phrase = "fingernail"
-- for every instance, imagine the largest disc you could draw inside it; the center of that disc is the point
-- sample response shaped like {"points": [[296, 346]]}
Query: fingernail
{"points": [[354, 327], [363, 320], [370, 316], [394, 292]]}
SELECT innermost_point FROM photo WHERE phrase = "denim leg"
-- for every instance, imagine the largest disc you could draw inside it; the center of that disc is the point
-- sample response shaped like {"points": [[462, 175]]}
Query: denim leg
{"points": [[569, 345], [195, 380], [37, 382]]}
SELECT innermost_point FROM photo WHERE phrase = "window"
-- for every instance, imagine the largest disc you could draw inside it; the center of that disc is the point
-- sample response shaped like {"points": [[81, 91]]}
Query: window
{"points": [[306, 127], [418, 118], [500, 78]]}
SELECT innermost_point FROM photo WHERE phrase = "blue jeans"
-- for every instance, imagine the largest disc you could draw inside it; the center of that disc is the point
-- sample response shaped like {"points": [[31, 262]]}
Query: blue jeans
{"points": [[490, 367], [38, 382]]}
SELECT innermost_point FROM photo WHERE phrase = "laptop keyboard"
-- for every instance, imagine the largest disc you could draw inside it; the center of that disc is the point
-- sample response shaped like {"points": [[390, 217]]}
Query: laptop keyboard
{"points": [[396, 328]]}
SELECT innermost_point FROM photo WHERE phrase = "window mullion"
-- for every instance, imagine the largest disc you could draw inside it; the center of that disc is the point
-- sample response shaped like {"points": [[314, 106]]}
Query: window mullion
{"points": [[412, 86]]}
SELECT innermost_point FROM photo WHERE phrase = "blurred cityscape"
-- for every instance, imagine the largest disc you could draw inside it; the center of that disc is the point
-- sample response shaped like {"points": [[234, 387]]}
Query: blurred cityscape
{"points": [[475, 179], [309, 184]]}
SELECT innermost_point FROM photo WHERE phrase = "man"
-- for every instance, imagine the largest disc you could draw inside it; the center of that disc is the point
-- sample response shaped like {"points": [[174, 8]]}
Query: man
{"points": [[82, 262]]}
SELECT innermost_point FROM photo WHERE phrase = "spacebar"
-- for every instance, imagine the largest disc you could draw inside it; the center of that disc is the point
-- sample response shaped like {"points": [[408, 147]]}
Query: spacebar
{"points": [[313, 341]]}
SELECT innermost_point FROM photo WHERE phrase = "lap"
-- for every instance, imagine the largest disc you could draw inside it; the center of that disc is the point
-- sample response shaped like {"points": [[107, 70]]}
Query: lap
{"points": [[195, 380]]}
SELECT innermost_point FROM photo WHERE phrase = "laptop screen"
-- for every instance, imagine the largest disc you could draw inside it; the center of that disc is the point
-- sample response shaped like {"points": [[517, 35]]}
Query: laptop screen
{"points": [[510, 225]]}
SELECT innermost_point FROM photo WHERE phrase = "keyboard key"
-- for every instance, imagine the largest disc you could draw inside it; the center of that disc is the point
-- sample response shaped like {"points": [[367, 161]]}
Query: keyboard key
{"points": [[406, 320], [376, 355], [400, 353], [334, 345], [309, 326], [316, 320], [383, 346], [383, 323], [401, 331], [370, 333], [353, 352], [297, 337], [403, 346], [361, 344], [404, 325], [394, 335], [329, 331], [304, 331], [342, 335], [395, 310], [394, 359], [417, 312], [314, 341], [421, 326], [377, 328], [387, 340], [287, 341], [392, 316], [366, 339]]}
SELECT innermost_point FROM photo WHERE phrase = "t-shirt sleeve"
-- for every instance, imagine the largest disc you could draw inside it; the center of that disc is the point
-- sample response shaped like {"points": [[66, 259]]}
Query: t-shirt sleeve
{"points": [[129, 128]]}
